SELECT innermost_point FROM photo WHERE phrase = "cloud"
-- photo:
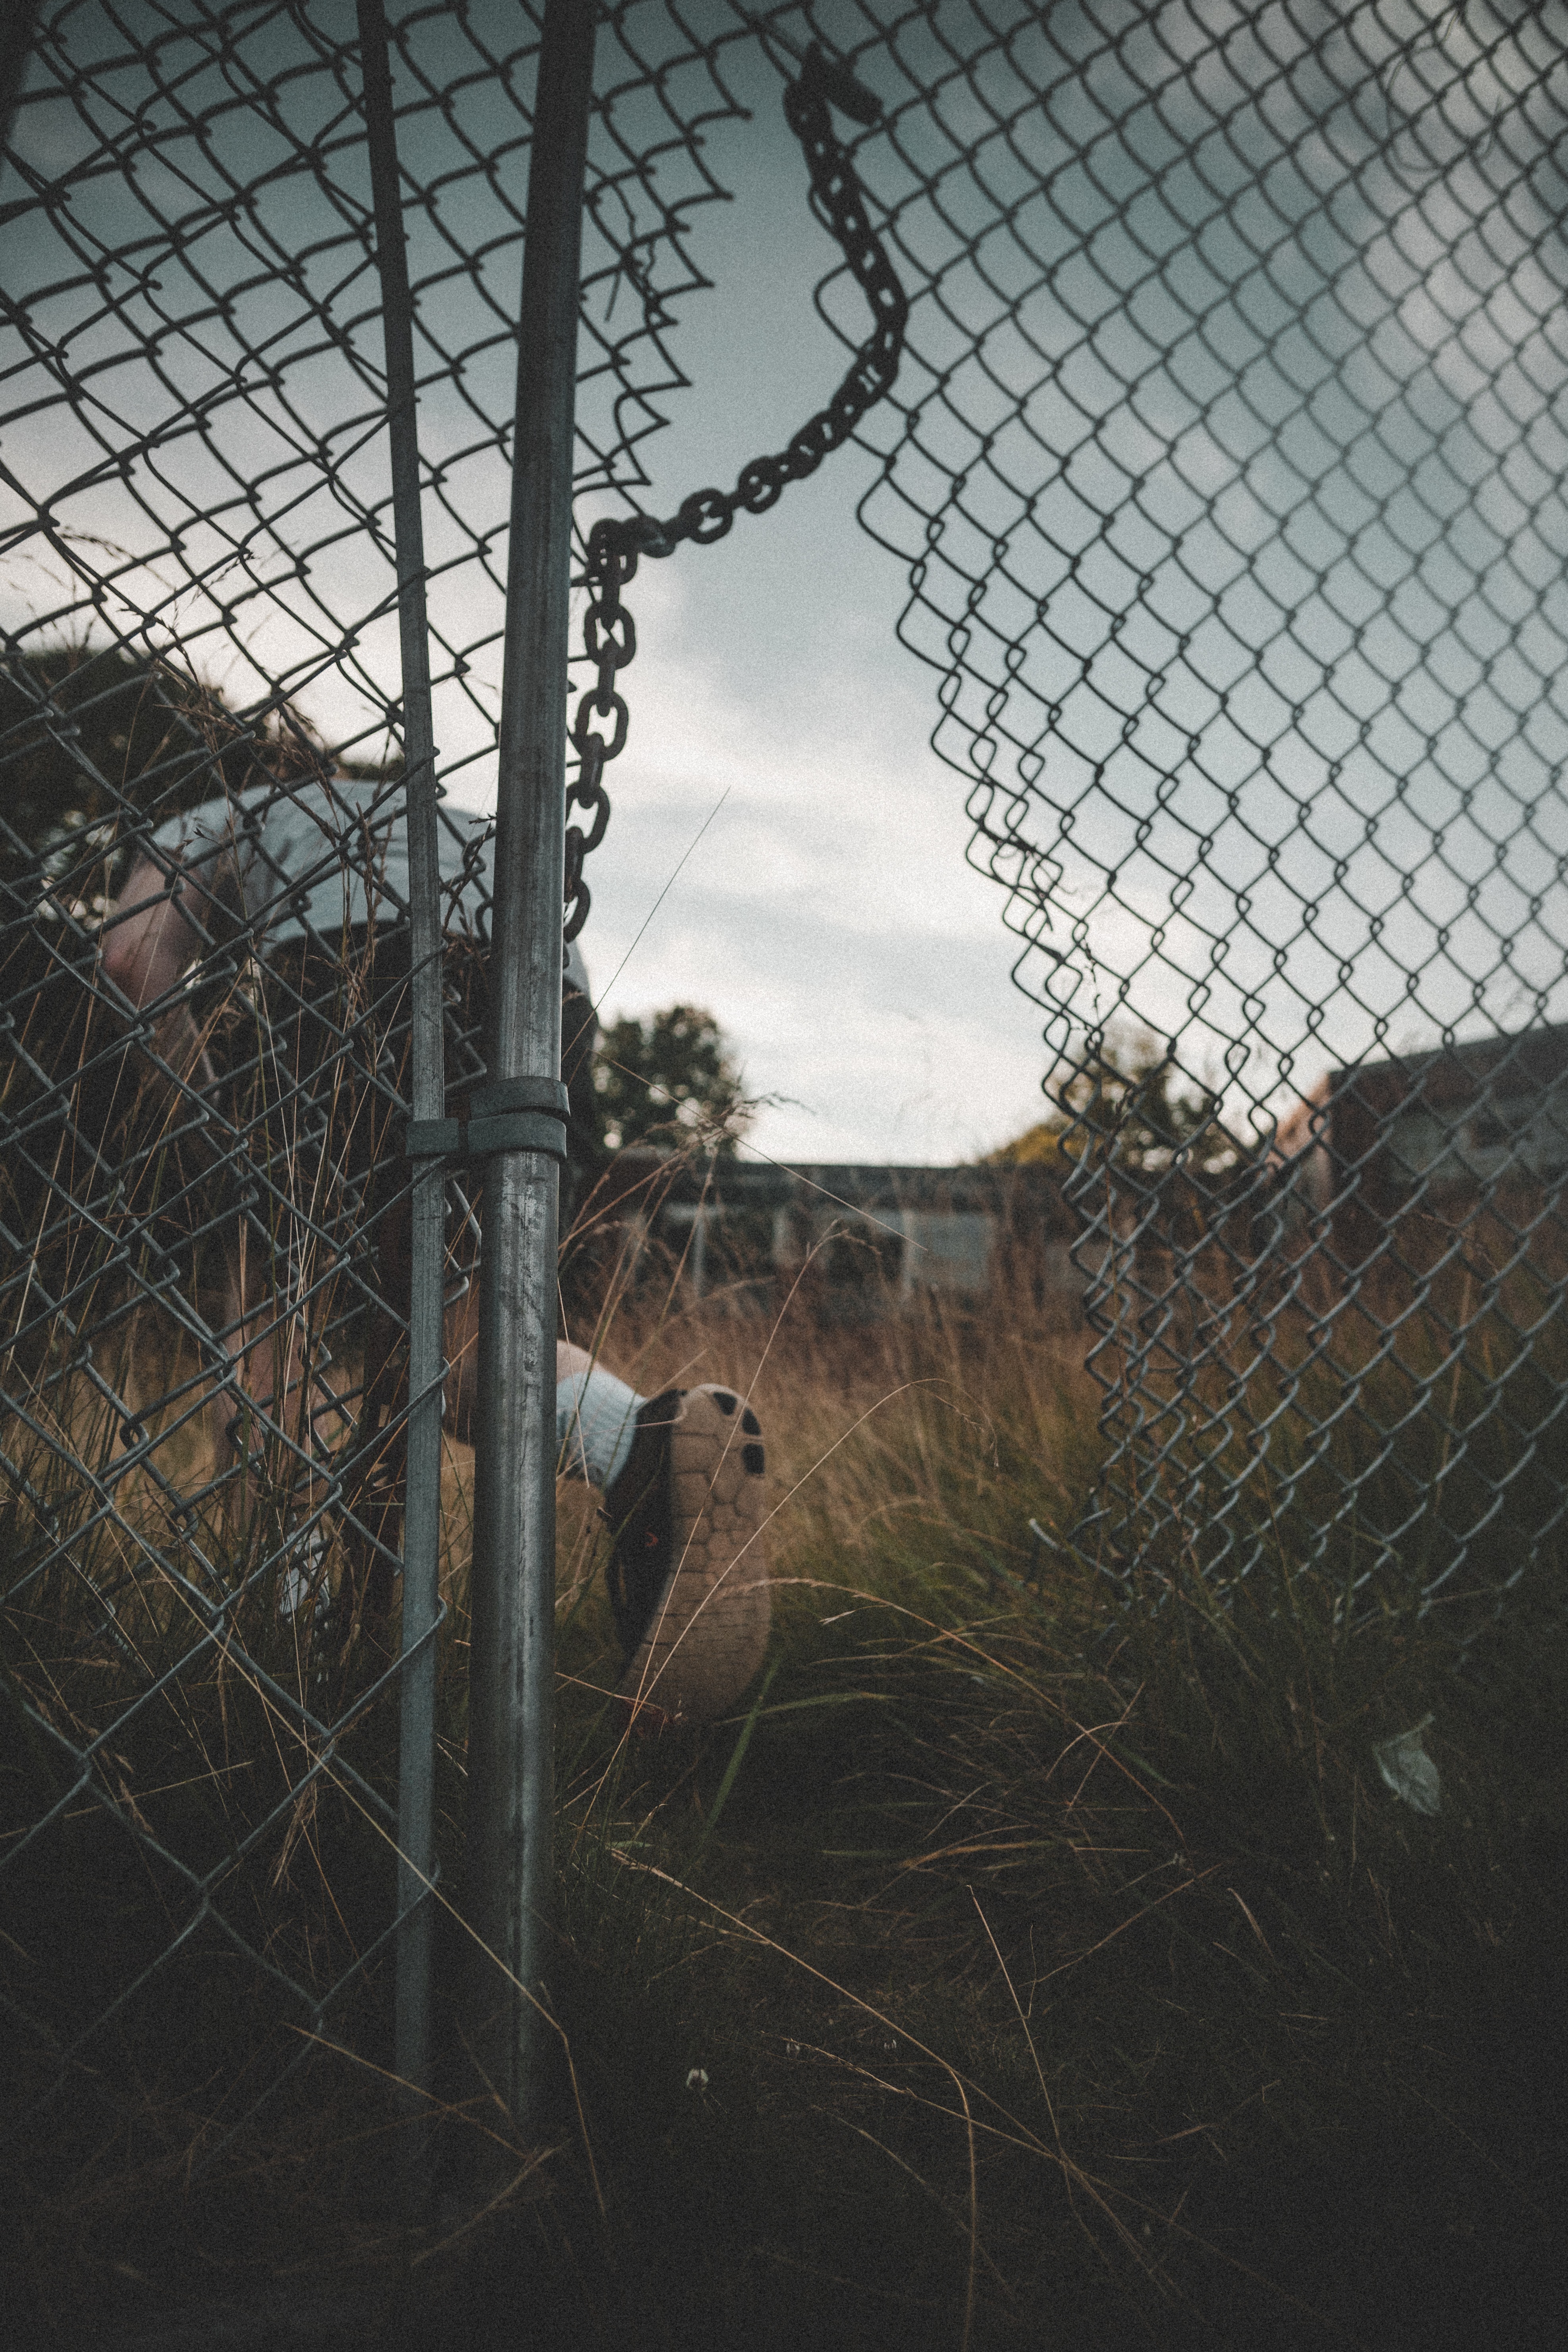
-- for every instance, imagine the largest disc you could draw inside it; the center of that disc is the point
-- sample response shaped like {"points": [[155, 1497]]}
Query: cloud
{"points": [[826, 915]]}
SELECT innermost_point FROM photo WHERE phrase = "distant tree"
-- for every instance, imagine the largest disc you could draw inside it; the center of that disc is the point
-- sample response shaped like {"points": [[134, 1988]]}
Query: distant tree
{"points": [[1129, 1102], [669, 1080]]}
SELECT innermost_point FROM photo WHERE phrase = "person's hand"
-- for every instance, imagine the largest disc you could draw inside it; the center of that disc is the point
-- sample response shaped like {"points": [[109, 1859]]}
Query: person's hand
{"points": [[148, 941]]}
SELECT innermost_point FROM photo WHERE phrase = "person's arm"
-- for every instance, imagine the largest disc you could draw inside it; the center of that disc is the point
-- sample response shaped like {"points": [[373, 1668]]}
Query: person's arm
{"points": [[149, 940]]}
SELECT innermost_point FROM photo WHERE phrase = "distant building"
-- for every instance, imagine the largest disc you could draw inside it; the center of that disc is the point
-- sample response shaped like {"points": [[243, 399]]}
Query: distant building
{"points": [[860, 1240], [1437, 1134]]}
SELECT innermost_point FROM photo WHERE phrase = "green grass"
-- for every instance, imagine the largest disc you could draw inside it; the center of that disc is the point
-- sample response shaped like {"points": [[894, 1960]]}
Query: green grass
{"points": [[1058, 1977]]}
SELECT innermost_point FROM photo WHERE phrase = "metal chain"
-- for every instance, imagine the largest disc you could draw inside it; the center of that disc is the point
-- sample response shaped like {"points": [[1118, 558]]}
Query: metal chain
{"points": [[609, 634]]}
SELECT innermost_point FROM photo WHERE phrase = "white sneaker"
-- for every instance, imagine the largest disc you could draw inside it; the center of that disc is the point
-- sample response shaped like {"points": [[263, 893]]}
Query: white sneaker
{"points": [[688, 1573]]}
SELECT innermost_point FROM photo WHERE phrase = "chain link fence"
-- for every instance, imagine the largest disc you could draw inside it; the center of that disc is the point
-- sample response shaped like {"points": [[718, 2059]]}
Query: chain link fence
{"points": [[1224, 457], [204, 948], [1226, 462]]}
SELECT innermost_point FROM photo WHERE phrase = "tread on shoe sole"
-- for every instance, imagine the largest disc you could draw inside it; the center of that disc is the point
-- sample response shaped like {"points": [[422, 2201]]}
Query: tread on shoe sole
{"points": [[708, 1633]]}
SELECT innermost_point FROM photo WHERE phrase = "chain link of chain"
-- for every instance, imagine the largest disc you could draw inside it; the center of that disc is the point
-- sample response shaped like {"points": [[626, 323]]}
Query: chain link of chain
{"points": [[614, 547]]}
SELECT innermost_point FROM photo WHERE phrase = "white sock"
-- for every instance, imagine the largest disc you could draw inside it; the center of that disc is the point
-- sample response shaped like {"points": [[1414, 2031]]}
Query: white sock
{"points": [[596, 1422]]}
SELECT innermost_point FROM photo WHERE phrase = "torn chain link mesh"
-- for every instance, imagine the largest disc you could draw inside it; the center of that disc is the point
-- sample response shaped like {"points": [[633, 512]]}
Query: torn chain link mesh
{"points": [[1226, 462]]}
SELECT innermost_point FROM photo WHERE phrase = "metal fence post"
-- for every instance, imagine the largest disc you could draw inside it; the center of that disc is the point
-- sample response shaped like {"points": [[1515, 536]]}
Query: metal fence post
{"points": [[422, 1516], [510, 1739]]}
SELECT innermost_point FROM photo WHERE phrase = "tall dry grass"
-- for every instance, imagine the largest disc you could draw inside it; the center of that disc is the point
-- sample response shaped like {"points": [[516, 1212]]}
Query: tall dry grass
{"points": [[1010, 1967]]}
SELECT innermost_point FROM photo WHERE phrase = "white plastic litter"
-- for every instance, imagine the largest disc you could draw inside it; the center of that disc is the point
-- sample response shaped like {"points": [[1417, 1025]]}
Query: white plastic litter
{"points": [[1409, 1771], [302, 1575]]}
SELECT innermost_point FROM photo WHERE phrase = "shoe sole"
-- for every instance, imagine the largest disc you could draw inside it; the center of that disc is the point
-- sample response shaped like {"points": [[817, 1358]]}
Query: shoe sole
{"points": [[708, 1634]]}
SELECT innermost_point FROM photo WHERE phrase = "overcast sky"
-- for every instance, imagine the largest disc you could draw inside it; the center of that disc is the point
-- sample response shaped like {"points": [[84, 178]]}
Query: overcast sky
{"points": [[1249, 490], [826, 914]]}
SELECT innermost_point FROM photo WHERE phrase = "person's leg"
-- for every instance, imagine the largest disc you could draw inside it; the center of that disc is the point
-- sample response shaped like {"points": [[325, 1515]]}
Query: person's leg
{"points": [[595, 1411], [596, 1417], [682, 1476], [310, 1105], [264, 1406], [381, 1179]]}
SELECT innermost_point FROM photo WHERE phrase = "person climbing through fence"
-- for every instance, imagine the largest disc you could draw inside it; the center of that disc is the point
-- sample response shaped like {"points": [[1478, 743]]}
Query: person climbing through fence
{"points": [[301, 888]]}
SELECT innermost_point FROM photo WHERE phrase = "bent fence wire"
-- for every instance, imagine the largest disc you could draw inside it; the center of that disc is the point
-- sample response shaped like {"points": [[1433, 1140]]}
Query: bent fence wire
{"points": [[1224, 461], [1227, 462]]}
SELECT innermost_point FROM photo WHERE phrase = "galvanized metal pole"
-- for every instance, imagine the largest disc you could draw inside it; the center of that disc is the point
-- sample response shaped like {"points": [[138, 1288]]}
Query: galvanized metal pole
{"points": [[512, 1817], [422, 1513]]}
